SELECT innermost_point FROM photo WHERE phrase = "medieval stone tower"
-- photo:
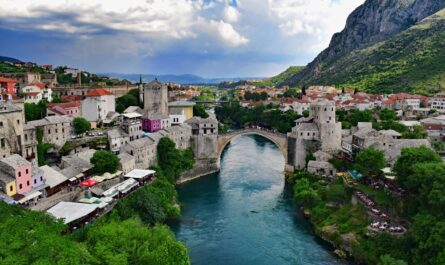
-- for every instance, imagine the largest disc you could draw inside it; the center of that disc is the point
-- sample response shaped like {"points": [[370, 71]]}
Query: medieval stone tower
{"points": [[323, 112], [320, 131], [156, 99]]}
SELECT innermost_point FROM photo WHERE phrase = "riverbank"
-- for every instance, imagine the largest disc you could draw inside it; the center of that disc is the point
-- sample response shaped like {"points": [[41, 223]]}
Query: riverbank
{"points": [[338, 219], [245, 214]]}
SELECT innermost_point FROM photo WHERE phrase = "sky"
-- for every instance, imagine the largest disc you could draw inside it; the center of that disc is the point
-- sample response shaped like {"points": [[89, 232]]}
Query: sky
{"points": [[210, 38]]}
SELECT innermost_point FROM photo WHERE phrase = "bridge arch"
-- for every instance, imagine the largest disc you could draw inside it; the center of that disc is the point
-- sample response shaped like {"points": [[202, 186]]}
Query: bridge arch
{"points": [[279, 139]]}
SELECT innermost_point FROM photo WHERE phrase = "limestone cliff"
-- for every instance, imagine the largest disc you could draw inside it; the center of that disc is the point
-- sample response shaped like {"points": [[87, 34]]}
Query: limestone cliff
{"points": [[370, 23]]}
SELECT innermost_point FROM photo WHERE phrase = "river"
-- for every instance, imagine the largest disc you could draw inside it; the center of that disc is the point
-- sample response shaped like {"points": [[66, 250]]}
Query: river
{"points": [[245, 215]]}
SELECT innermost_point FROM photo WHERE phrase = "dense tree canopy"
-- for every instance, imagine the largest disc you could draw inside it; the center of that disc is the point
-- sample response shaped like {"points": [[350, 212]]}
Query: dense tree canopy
{"points": [[410, 157], [200, 111], [104, 161], [173, 161], [35, 111], [81, 125], [233, 113], [370, 161]]}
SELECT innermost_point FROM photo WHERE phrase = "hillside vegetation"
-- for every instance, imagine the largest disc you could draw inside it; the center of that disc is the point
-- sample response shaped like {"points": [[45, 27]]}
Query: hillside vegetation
{"points": [[412, 60], [280, 79]]}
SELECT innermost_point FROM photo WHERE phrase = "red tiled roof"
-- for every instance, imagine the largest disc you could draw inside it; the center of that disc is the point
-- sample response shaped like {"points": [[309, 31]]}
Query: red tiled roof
{"points": [[32, 93], [7, 80], [98, 92], [39, 85], [67, 105], [71, 98]]}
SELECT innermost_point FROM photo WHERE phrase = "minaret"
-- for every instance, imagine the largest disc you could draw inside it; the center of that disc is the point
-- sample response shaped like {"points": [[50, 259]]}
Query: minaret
{"points": [[141, 90]]}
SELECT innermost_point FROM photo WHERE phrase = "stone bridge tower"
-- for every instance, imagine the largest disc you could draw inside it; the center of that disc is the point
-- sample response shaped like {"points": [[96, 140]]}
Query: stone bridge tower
{"points": [[320, 131]]}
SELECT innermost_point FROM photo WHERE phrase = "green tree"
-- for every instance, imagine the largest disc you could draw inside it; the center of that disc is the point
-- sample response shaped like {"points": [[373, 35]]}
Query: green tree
{"points": [[35, 111], [81, 125], [418, 132], [199, 111], [388, 260], [388, 115], [171, 160], [370, 161], [304, 194], [104, 161], [131, 242], [126, 101], [410, 157]]}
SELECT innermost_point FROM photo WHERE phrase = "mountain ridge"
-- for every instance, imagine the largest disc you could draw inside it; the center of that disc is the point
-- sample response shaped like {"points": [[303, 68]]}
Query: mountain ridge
{"points": [[371, 23]]}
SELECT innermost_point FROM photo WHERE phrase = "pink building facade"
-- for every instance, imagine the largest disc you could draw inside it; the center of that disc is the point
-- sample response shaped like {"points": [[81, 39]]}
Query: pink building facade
{"points": [[19, 168], [151, 125]]}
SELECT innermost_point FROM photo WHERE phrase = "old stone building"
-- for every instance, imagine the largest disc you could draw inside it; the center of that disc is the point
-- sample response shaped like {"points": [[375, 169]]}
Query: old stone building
{"points": [[55, 130], [156, 98], [144, 152], [319, 131], [181, 135], [11, 128], [30, 144]]}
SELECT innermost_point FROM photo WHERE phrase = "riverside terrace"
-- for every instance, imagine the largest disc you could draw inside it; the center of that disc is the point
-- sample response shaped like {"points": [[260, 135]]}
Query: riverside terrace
{"points": [[94, 202]]}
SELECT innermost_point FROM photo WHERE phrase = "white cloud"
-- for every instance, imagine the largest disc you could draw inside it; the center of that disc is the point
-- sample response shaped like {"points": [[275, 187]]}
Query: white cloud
{"points": [[231, 14], [265, 33], [228, 34], [321, 18]]}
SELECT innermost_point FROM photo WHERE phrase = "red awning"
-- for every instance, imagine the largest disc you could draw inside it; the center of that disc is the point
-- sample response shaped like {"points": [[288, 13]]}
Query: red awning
{"points": [[88, 183]]}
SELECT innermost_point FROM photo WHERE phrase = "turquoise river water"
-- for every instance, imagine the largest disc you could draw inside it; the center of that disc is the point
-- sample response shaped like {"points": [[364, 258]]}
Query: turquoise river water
{"points": [[245, 215]]}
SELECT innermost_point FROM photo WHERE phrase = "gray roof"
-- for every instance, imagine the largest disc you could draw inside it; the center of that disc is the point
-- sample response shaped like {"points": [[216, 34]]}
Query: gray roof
{"points": [[393, 153], [305, 127], [181, 104], [28, 126], [15, 161], [199, 120], [124, 157], [6, 178], [71, 211], [116, 133], [366, 132], [390, 133], [140, 143], [36, 171], [319, 164], [6, 106], [53, 177], [347, 139], [51, 120], [304, 119], [133, 109]]}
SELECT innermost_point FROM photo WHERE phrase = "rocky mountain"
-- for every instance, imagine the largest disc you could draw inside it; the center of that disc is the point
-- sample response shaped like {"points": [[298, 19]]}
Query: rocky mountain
{"points": [[375, 22]]}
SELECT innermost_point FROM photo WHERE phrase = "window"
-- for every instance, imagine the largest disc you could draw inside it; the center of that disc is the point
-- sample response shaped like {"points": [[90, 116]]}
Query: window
{"points": [[20, 186], [27, 183], [1, 124], [18, 121], [41, 178], [49, 131], [35, 181], [27, 171], [11, 188], [2, 143], [20, 173], [26, 137]]}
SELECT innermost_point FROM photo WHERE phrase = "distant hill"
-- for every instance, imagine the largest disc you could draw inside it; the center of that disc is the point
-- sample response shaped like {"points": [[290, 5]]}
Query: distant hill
{"points": [[281, 78], [387, 45], [9, 59], [185, 79]]}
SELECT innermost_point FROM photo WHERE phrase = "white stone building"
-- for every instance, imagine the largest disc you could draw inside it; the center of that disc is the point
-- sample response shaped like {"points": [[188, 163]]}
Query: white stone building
{"points": [[97, 104]]}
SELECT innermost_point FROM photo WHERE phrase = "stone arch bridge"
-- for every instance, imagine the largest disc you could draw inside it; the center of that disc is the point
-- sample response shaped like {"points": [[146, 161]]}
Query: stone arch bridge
{"points": [[278, 139]]}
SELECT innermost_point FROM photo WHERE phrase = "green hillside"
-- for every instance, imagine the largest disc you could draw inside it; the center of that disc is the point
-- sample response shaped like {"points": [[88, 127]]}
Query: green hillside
{"points": [[280, 78], [413, 60]]}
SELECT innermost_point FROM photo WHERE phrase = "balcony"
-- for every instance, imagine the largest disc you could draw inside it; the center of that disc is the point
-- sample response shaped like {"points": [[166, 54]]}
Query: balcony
{"points": [[30, 156]]}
